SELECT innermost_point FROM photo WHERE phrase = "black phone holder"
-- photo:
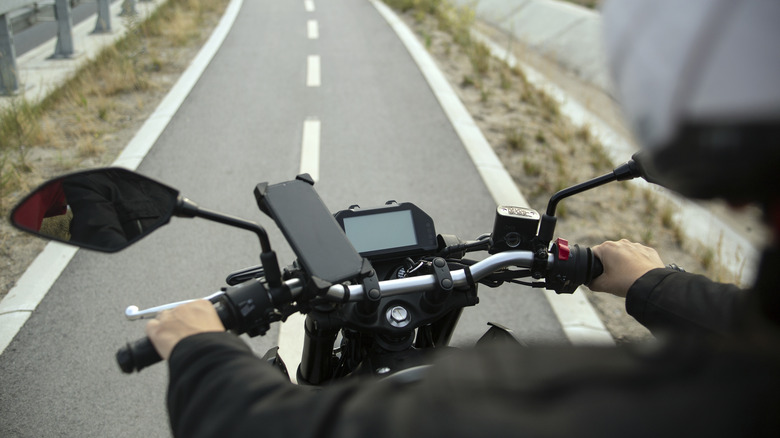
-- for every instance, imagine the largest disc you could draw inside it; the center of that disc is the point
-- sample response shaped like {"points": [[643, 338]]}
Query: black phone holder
{"points": [[324, 252]]}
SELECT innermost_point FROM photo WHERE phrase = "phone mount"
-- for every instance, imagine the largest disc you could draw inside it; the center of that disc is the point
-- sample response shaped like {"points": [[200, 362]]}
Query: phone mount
{"points": [[324, 252]]}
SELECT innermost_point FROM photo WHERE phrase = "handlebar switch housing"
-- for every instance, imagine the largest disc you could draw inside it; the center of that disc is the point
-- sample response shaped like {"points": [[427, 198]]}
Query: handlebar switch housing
{"points": [[514, 228], [572, 266]]}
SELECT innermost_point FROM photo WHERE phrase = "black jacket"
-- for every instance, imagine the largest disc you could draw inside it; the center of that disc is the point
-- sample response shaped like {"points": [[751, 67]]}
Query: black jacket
{"points": [[111, 209], [692, 385]]}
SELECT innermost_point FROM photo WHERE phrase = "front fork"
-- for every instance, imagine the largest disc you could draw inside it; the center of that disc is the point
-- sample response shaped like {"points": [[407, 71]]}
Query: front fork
{"points": [[316, 365]]}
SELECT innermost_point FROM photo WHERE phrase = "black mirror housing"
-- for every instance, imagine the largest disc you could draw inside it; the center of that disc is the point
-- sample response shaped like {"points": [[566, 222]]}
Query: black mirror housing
{"points": [[104, 210]]}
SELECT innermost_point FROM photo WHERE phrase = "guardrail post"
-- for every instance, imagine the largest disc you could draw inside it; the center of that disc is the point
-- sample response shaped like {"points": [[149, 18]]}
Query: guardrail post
{"points": [[128, 8], [9, 83], [103, 24], [64, 30]]}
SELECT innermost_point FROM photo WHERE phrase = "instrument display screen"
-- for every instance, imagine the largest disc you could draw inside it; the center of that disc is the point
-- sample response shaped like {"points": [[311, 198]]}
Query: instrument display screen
{"points": [[389, 232], [381, 231]]}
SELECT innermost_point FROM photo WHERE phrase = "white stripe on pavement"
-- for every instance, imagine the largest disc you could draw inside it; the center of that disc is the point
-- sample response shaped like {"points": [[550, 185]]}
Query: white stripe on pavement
{"points": [[313, 71], [313, 29], [310, 148], [292, 331]]}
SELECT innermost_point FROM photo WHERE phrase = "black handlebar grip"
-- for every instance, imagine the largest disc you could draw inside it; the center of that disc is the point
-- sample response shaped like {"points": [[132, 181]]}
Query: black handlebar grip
{"points": [[137, 355], [596, 270]]}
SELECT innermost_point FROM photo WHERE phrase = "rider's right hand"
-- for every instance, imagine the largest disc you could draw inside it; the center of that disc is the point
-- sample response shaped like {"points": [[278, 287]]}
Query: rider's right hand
{"points": [[624, 262], [171, 326]]}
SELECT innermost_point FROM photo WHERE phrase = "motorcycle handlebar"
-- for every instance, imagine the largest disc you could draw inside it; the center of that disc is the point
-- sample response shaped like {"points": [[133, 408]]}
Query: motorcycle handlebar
{"points": [[139, 354], [135, 356], [598, 269]]}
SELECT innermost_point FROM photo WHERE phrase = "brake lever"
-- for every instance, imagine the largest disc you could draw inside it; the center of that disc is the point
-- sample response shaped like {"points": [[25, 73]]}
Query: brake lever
{"points": [[132, 313]]}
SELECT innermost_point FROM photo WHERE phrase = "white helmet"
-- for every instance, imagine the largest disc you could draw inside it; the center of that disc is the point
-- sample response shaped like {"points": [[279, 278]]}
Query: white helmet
{"points": [[699, 80]]}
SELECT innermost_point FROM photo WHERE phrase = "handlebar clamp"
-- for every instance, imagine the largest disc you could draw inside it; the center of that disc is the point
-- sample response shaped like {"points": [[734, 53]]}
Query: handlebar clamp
{"points": [[434, 298]]}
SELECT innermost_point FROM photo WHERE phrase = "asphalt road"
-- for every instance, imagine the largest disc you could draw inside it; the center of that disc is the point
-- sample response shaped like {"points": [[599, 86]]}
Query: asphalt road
{"points": [[383, 136]]}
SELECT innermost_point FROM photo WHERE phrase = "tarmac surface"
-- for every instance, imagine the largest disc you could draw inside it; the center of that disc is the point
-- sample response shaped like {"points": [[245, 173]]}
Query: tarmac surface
{"points": [[383, 135]]}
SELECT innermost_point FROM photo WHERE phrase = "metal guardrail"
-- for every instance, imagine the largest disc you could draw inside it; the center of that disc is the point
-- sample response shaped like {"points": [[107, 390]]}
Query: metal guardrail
{"points": [[18, 15]]}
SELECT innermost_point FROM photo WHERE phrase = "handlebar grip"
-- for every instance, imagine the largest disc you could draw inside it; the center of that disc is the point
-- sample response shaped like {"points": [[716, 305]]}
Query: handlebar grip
{"points": [[137, 355], [596, 270]]}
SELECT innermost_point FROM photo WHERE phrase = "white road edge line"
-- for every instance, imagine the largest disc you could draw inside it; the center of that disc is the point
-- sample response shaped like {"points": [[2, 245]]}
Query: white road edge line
{"points": [[313, 71], [309, 5], [313, 29], [39, 277], [578, 319]]}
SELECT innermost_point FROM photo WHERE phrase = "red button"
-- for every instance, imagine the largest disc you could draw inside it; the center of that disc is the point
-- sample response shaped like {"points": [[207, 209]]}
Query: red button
{"points": [[563, 249]]}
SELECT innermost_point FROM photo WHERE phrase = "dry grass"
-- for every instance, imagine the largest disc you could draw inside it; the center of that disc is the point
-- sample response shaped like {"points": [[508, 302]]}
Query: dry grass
{"points": [[541, 148], [73, 124], [89, 120]]}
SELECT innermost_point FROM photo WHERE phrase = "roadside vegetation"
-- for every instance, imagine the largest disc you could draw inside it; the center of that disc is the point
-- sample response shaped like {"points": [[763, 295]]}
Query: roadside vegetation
{"points": [[88, 120], [544, 152], [70, 129]]}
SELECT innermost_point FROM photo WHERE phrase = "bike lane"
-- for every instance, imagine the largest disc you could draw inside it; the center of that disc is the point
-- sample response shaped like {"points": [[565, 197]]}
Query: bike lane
{"points": [[382, 136]]}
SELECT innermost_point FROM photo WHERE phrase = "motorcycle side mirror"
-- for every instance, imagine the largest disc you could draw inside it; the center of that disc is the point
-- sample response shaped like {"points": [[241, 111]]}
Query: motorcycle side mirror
{"points": [[633, 168], [103, 209]]}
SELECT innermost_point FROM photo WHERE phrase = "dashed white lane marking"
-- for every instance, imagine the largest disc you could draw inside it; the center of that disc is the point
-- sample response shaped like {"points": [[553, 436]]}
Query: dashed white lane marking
{"points": [[309, 5], [313, 29], [310, 148], [313, 71], [291, 337], [292, 331]]}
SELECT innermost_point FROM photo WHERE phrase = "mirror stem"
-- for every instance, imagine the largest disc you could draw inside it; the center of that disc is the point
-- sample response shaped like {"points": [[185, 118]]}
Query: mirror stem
{"points": [[187, 208], [624, 172]]}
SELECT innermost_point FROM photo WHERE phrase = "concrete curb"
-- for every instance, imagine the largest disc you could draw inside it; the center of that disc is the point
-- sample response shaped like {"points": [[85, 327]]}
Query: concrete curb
{"points": [[577, 317], [571, 35], [565, 32]]}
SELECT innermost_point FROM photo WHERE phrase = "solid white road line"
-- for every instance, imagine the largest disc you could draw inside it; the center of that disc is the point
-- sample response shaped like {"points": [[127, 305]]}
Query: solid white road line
{"points": [[47, 267], [313, 29], [313, 71], [577, 317]]}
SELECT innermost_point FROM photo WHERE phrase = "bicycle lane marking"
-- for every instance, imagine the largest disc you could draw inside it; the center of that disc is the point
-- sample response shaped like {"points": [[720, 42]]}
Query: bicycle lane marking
{"points": [[313, 71], [292, 332], [17, 307]]}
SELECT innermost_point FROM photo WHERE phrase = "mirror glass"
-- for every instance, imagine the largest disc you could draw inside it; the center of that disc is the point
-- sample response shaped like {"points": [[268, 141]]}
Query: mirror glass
{"points": [[102, 209]]}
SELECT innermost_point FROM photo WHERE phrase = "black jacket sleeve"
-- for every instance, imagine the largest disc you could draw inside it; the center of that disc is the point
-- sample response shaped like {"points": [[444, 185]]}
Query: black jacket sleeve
{"points": [[665, 299], [218, 388]]}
